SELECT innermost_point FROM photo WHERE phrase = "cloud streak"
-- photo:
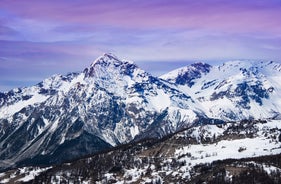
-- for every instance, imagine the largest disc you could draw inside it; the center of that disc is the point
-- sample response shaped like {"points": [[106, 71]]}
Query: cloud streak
{"points": [[233, 16]]}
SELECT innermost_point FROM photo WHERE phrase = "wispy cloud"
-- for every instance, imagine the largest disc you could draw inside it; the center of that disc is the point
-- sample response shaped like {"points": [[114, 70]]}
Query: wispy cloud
{"points": [[230, 16]]}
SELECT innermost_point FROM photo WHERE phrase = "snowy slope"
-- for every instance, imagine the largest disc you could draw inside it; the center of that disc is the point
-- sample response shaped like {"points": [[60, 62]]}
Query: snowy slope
{"points": [[235, 90]]}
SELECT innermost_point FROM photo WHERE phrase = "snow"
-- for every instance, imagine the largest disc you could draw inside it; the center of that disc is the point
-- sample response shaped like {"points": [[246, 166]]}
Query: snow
{"points": [[227, 149], [109, 81], [109, 74], [134, 131], [9, 110], [193, 154], [177, 115], [6, 180], [267, 168], [23, 174], [29, 175], [270, 169], [226, 77], [133, 99], [214, 130], [198, 153], [269, 124], [207, 131], [160, 101], [62, 139], [86, 182], [109, 137], [66, 86], [134, 173], [54, 125], [173, 74]]}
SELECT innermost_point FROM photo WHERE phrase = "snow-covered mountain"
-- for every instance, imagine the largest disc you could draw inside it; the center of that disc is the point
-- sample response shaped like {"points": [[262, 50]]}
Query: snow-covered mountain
{"points": [[232, 91], [111, 102]]}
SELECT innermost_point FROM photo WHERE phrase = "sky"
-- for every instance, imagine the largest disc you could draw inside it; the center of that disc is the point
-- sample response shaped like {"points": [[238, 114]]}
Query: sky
{"points": [[40, 38]]}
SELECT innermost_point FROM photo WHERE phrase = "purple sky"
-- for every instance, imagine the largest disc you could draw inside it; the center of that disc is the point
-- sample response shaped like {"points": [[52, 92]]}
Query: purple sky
{"points": [[40, 38]]}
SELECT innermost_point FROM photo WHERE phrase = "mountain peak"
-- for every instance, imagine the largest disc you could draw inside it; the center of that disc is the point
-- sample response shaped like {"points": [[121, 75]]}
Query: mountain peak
{"points": [[106, 59], [200, 66], [110, 55], [187, 74], [109, 63]]}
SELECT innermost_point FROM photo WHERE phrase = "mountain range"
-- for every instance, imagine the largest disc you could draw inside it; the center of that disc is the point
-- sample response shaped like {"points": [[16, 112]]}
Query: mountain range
{"points": [[114, 102]]}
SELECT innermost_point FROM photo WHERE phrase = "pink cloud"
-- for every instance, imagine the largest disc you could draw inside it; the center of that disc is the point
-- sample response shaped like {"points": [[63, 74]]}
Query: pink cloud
{"points": [[237, 16]]}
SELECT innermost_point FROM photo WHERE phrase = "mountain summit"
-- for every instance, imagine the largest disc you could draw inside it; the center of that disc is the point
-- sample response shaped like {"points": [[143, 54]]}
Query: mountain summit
{"points": [[107, 61], [187, 75]]}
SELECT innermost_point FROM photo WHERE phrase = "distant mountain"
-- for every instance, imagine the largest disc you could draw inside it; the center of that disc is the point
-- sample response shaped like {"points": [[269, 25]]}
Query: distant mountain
{"points": [[232, 91], [113, 102]]}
